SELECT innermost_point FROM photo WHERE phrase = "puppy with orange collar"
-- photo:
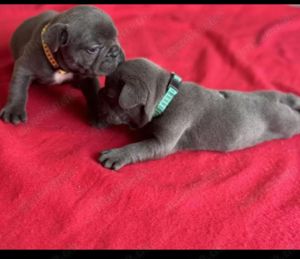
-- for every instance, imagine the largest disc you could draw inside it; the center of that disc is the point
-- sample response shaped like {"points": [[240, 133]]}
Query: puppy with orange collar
{"points": [[74, 46]]}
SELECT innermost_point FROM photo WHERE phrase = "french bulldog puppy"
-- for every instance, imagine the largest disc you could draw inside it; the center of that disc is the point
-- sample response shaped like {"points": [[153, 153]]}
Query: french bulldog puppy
{"points": [[77, 45], [196, 119]]}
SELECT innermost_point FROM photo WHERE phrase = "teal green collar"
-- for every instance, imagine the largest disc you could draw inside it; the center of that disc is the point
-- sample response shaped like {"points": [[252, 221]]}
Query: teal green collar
{"points": [[172, 90]]}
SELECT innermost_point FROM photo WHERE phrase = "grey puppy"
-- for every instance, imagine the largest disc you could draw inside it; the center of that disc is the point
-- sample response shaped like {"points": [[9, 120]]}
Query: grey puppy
{"points": [[196, 119], [77, 45]]}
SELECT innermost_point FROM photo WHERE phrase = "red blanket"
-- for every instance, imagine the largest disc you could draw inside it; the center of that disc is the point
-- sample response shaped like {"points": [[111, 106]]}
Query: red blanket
{"points": [[54, 194]]}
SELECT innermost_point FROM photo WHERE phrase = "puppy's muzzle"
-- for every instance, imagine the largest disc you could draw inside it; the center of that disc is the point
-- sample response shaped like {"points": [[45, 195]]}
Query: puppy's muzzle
{"points": [[116, 52]]}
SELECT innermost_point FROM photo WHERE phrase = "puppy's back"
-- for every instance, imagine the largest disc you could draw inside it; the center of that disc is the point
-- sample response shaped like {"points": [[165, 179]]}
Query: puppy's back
{"points": [[24, 32]]}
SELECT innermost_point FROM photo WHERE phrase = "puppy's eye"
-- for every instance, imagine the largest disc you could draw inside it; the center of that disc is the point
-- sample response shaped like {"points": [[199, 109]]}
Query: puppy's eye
{"points": [[92, 50]]}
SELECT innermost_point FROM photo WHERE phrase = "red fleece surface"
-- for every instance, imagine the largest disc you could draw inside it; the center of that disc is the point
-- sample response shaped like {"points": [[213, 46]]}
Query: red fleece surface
{"points": [[53, 193]]}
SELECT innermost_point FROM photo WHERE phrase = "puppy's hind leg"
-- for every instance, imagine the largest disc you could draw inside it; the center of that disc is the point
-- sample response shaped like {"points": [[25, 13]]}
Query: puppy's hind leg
{"points": [[288, 114], [292, 100]]}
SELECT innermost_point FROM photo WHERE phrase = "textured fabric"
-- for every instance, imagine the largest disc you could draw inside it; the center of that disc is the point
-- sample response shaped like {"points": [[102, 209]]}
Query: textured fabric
{"points": [[53, 193]]}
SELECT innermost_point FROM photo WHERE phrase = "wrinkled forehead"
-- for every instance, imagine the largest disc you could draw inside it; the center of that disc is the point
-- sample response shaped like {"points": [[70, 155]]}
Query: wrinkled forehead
{"points": [[104, 29], [92, 26], [96, 32]]}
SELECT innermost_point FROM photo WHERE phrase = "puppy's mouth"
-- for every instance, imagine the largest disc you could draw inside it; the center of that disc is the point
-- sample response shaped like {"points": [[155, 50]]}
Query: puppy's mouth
{"points": [[109, 65]]}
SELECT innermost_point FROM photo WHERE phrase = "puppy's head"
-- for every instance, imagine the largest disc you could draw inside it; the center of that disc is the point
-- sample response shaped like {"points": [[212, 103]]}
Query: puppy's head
{"points": [[131, 93], [85, 40]]}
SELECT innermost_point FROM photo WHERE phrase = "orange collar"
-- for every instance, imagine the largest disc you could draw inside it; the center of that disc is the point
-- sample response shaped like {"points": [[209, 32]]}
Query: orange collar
{"points": [[49, 54]]}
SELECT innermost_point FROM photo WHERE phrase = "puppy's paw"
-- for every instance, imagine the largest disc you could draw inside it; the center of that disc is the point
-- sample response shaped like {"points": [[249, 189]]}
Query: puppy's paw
{"points": [[13, 114], [114, 159]]}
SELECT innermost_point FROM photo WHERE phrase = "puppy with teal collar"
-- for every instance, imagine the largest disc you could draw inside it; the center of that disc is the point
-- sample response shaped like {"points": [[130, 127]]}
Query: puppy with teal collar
{"points": [[179, 115]]}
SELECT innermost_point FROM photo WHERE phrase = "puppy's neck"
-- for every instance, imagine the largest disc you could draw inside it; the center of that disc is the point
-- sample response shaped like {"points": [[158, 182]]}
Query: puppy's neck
{"points": [[171, 91], [61, 61], [162, 85], [49, 55]]}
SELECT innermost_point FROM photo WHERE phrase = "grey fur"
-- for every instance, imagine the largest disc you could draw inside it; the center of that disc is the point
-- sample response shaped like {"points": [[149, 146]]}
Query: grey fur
{"points": [[197, 118], [69, 35]]}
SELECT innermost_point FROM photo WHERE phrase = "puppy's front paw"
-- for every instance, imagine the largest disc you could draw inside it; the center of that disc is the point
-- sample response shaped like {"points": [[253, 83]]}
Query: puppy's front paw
{"points": [[13, 114], [114, 158]]}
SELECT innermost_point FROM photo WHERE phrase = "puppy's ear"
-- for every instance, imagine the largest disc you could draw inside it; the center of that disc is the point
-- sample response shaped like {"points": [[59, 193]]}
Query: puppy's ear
{"points": [[132, 96], [57, 36]]}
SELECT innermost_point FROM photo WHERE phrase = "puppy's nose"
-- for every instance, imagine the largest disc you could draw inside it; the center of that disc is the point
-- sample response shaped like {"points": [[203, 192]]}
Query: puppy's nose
{"points": [[114, 51]]}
